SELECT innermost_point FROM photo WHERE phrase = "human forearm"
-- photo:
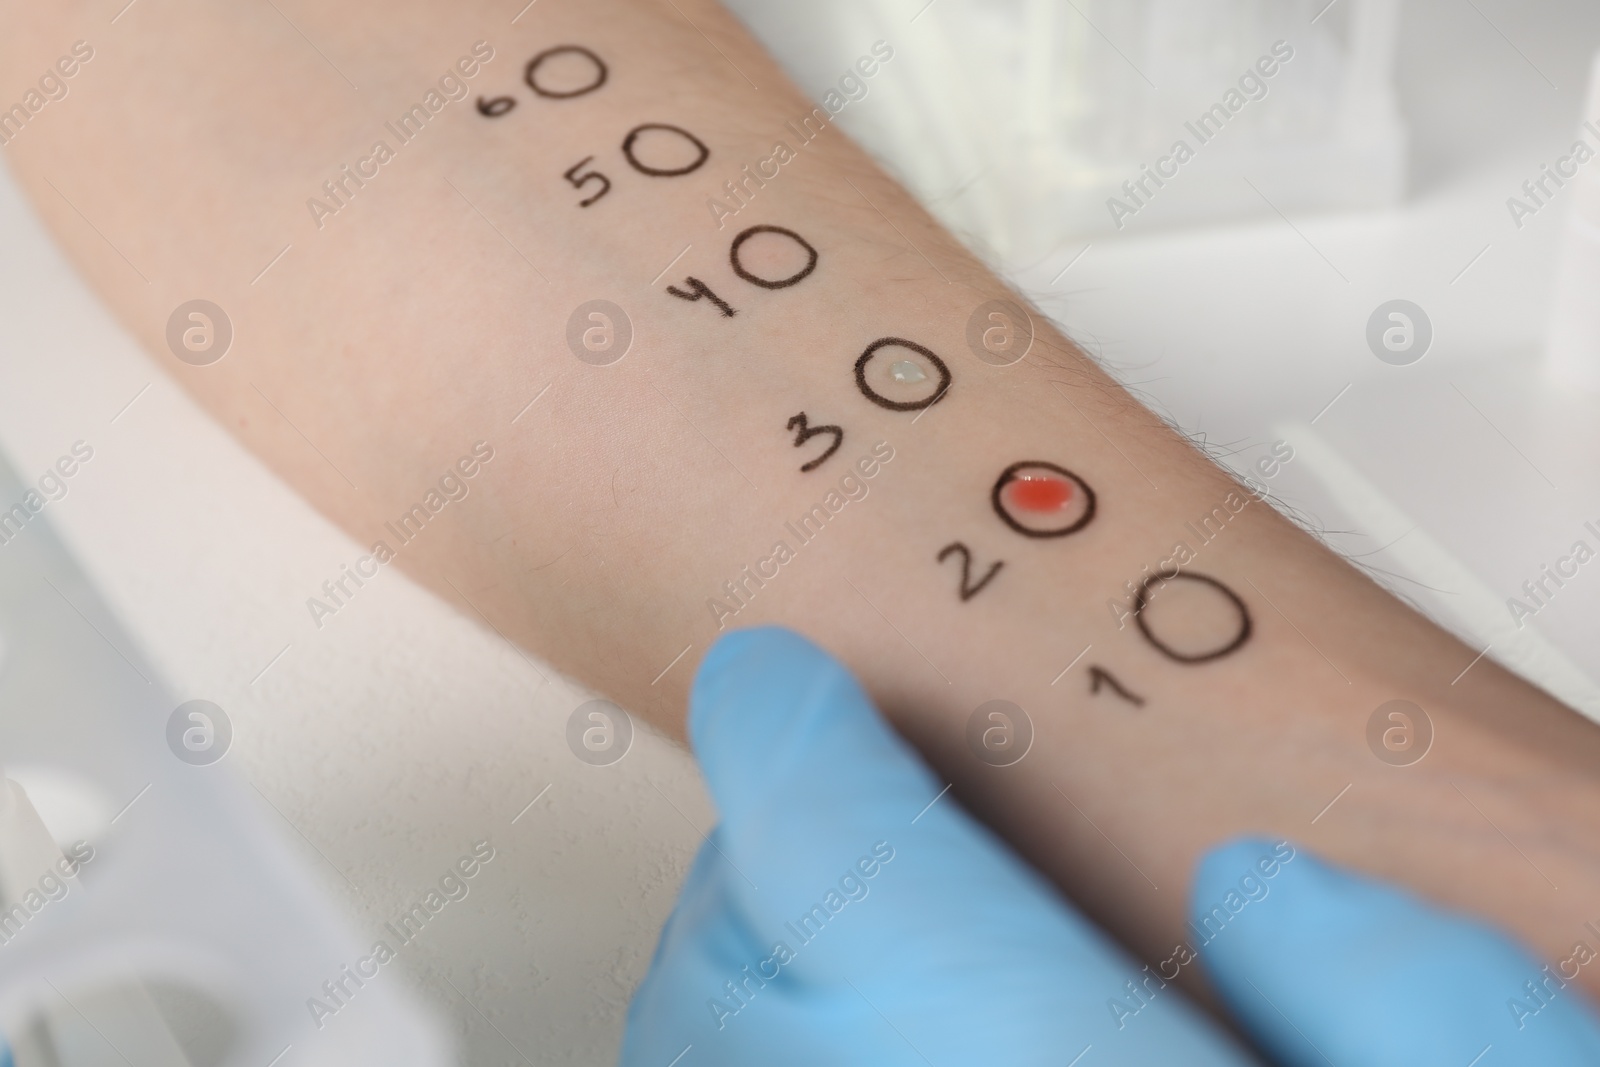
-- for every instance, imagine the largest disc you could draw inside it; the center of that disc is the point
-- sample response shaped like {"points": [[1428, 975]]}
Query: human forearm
{"points": [[421, 309]]}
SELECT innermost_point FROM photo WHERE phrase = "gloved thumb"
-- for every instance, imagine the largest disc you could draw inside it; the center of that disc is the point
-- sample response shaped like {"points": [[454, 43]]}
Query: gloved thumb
{"points": [[1324, 966]]}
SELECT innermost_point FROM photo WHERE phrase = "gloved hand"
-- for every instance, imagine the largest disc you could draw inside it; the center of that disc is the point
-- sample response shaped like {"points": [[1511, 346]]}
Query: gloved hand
{"points": [[834, 917]]}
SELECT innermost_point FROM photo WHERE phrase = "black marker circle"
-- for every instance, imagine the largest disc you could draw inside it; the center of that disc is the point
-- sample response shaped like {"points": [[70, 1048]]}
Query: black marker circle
{"points": [[781, 283], [897, 405], [1141, 599], [655, 172], [1009, 475], [600, 72]]}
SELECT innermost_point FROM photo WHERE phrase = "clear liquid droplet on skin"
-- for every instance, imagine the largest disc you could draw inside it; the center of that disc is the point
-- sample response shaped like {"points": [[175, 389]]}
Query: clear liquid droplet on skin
{"points": [[907, 372]]}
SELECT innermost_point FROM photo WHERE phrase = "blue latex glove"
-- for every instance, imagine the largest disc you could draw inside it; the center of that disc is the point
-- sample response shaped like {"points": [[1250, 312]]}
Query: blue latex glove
{"points": [[835, 918]]}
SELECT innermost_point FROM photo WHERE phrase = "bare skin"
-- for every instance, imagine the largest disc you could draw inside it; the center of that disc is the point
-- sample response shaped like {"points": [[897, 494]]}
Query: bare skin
{"points": [[428, 310]]}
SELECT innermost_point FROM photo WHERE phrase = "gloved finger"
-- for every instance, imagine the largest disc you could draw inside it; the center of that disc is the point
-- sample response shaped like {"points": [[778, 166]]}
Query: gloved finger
{"points": [[826, 820], [714, 995], [820, 800], [705, 954], [714, 990], [769, 708], [1327, 967]]}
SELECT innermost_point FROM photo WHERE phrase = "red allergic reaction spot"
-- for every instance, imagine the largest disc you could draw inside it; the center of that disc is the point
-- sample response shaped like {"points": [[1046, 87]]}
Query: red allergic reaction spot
{"points": [[1039, 494]]}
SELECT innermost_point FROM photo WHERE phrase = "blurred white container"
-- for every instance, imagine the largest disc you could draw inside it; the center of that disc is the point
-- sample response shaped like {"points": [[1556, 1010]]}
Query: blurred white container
{"points": [[190, 935], [1017, 120]]}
